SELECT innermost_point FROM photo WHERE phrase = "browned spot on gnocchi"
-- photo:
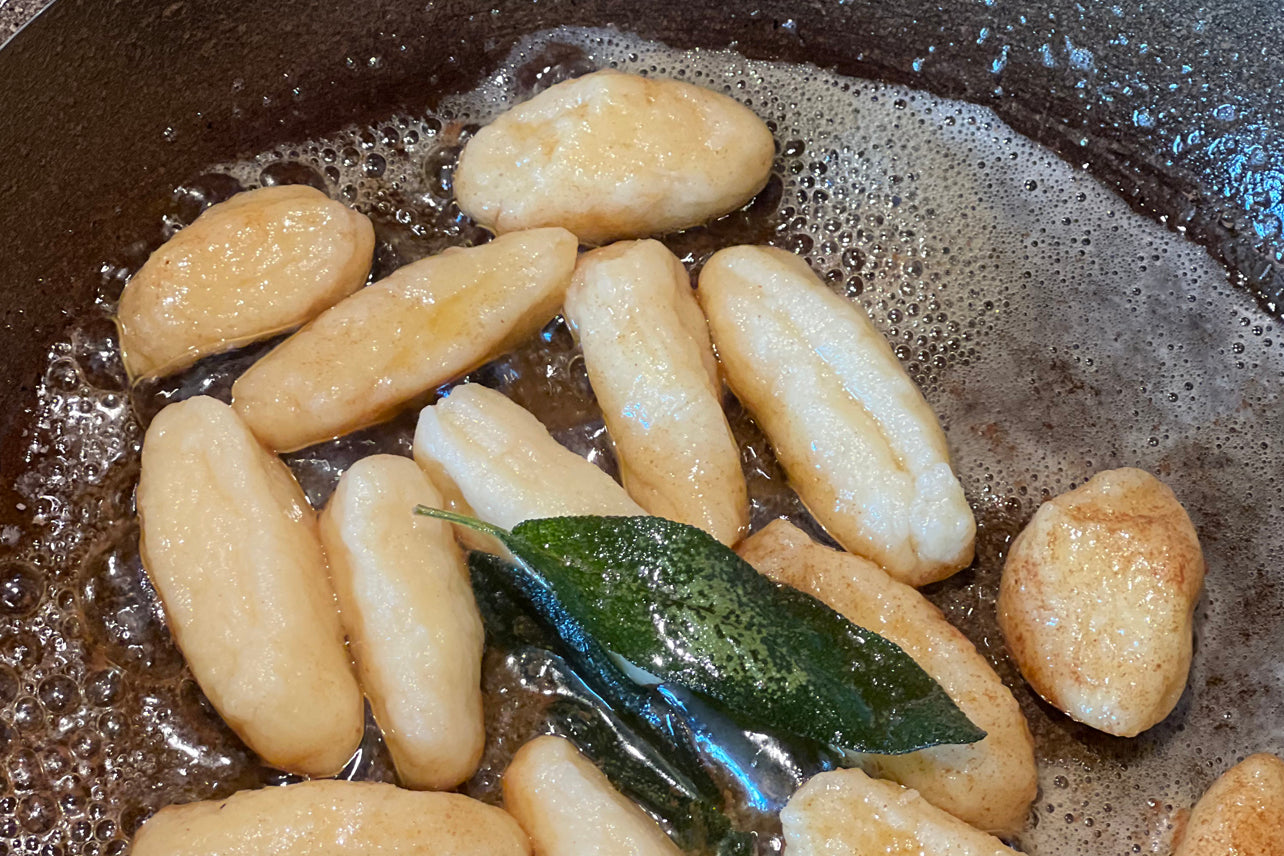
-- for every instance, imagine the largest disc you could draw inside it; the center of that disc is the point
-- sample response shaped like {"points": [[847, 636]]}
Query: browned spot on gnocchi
{"points": [[1242, 814]]}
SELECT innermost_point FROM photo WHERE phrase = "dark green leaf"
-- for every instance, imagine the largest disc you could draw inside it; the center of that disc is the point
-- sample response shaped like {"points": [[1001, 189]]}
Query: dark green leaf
{"points": [[626, 730], [673, 601]]}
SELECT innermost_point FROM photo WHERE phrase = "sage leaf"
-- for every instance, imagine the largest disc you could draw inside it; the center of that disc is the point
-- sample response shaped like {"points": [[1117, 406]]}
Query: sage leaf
{"points": [[628, 731], [673, 601]]}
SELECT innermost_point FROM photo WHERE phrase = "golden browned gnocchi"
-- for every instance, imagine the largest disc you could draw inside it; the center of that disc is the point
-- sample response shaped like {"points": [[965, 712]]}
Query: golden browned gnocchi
{"points": [[1242, 814], [1097, 598], [859, 443], [989, 784], [332, 818], [230, 544], [493, 460], [647, 351], [569, 808], [412, 624], [262, 262], [414, 330], [612, 155], [845, 813]]}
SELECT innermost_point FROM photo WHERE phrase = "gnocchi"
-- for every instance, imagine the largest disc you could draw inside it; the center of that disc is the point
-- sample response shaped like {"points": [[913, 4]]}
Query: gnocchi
{"points": [[260, 263], [428, 322], [412, 624], [230, 544], [332, 818], [612, 155], [495, 461], [569, 808], [1097, 599], [859, 443], [647, 351], [989, 784], [845, 812], [1242, 814]]}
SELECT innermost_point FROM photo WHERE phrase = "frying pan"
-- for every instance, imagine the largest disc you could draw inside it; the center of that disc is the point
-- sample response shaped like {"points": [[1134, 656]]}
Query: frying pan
{"points": [[109, 106]]}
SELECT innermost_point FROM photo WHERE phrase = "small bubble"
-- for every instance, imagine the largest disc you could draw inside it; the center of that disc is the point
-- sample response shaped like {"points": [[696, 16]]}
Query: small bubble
{"points": [[375, 165], [291, 172], [103, 688], [27, 714], [112, 724], [24, 770], [37, 813], [21, 587], [59, 694], [853, 259]]}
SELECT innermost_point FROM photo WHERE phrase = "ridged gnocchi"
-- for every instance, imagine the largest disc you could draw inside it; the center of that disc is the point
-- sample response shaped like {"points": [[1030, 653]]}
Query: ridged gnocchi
{"points": [[493, 460], [412, 623], [646, 347], [860, 445]]}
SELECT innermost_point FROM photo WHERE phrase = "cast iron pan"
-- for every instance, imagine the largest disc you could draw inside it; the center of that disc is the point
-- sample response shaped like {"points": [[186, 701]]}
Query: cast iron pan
{"points": [[108, 107]]}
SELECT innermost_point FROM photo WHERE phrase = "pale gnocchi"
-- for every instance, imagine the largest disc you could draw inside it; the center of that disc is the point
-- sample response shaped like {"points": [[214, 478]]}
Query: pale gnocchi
{"points": [[260, 263], [492, 459], [412, 624], [569, 808], [332, 818], [612, 155], [646, 347], [989, 784], [230, 544], [860, 445], [845, 812]]}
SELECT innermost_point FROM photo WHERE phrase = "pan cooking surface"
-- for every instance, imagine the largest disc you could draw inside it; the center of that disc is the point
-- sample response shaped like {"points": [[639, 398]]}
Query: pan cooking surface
{"points": [[1054, 331]]}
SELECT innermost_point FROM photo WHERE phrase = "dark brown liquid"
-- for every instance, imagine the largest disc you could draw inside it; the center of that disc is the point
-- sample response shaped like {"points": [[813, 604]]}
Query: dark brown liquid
{"points": [[1054, 332]]}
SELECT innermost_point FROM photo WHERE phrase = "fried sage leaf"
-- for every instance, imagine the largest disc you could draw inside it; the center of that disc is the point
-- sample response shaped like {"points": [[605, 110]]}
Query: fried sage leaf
{"points": [[673, 601]]}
